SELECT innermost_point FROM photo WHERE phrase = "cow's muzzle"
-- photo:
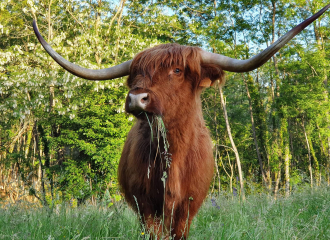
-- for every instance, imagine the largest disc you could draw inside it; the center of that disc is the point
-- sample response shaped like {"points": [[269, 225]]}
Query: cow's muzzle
{"points": [[138, 102]]}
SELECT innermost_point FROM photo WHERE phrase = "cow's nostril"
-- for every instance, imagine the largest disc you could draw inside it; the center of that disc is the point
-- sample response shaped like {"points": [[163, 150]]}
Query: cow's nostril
{"points": [[145, 99]]}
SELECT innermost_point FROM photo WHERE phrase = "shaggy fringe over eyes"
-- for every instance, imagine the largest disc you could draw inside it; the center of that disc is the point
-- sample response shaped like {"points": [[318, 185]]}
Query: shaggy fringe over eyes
{"points": [[147, 62]]}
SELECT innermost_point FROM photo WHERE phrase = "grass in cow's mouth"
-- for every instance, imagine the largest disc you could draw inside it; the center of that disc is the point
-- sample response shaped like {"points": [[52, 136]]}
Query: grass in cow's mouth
{"points": [[162, 133], [158, 131]]}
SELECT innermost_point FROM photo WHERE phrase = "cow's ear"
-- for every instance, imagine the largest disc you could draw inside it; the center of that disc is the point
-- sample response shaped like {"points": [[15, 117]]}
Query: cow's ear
{"points": [[210, 73]]}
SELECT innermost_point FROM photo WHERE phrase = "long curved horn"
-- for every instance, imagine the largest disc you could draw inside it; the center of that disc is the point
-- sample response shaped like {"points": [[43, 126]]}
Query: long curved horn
{"points": [[235, 65], [102, 74]]}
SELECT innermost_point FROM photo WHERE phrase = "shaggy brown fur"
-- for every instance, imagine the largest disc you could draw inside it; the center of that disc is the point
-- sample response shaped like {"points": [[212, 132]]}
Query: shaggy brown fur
{"points": [[171, 74]]}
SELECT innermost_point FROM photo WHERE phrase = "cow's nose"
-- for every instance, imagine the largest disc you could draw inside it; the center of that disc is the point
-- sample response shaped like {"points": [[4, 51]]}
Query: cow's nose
{"points": [[138, 101]]}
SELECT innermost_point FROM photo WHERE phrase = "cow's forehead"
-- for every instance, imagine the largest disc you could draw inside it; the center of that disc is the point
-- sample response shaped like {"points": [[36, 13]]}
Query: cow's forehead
{"points": [[164, 56], [152, 61]]}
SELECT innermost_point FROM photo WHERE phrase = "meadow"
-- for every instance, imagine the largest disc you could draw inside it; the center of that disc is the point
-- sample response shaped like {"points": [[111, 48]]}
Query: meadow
{"points": [[303, 215]]}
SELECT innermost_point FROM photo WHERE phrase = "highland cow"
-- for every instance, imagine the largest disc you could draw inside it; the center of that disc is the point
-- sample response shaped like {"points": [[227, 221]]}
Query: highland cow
{"points": [[166, 165]]}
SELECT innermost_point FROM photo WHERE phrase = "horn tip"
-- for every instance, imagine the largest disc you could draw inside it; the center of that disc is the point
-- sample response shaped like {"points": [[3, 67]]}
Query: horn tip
{"points": [[34, 24]]}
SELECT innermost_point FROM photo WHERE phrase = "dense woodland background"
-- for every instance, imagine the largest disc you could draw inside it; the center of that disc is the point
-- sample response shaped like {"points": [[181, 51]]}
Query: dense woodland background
{"points": [[61, 136]]}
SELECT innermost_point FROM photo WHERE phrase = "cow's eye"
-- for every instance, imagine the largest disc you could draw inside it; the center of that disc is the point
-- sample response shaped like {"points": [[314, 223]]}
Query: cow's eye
{"points": [[177, 70]]}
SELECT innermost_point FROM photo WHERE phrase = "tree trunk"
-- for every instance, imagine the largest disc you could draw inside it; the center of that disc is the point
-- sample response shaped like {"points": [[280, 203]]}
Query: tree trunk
{"points": [[118, 26], [309, 156], [316, 162], [238, 161], [277, 182], [50, 29], [217, 169], [217, 138], [231, 175], [254, 134], [42, 180], [287, 170], [285, 150], [328, 162]]}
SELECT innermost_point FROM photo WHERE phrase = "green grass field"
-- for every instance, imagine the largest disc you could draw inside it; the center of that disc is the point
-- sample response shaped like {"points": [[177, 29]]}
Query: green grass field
{"points": [[303, 215]]}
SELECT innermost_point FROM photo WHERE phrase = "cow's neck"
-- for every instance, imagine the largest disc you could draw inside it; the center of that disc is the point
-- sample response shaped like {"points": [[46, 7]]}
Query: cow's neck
{"points": [[184, 128]]}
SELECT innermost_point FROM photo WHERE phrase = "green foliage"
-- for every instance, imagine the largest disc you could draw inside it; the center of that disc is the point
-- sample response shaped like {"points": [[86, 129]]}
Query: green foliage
{"points": [[95, 135], [67, 133]]}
